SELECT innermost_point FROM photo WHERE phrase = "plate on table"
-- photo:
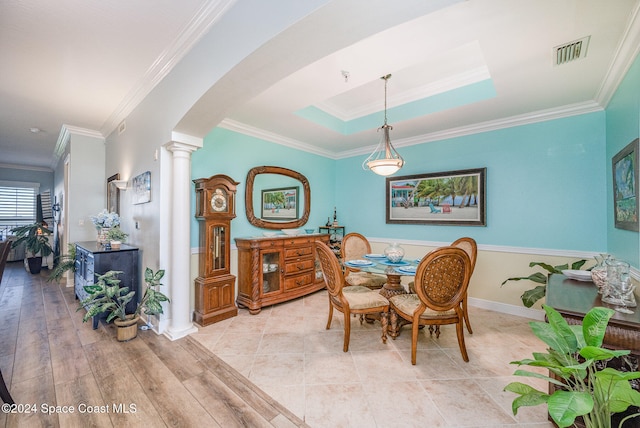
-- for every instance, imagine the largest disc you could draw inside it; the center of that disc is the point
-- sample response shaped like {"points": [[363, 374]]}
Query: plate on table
{"points": [[375, 256], [358, 263], [579, 275], [390, 263], [407, 270]]}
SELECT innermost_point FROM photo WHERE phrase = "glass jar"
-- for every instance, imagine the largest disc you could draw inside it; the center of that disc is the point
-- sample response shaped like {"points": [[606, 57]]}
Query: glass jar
{"points": [[599, 271], [394, 253], [617, 275]]}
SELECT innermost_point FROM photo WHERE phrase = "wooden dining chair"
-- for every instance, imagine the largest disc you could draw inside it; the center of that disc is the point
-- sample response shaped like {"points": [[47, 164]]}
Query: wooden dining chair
{"points": [[5, 248], [354, 247], [471, 248], [355, 299], [442, 278]]}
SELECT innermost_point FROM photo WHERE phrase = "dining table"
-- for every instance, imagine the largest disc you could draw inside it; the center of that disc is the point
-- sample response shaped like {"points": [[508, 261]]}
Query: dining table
{"points": [[379, 264]]}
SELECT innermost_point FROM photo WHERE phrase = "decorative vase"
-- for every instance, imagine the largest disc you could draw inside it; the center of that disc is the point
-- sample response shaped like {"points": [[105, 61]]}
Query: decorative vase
{"points": [[115, 245], [394, 252], [599, 271], [127, 329], [102, 235]]}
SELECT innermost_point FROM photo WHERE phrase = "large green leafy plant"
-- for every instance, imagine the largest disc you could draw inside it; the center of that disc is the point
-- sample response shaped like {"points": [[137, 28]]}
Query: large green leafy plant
{"points": [[106, 296], [35, 237], [581, 389], [530, 297], [151, 302]]}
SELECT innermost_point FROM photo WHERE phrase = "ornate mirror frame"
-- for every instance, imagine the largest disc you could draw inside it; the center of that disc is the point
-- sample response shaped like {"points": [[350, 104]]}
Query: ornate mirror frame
{"points": [[248, 198]]}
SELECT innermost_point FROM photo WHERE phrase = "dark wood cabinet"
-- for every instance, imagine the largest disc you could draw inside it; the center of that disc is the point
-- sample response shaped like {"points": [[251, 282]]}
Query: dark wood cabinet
{"points": [[277, 269], [93, 260], [573, 299]]}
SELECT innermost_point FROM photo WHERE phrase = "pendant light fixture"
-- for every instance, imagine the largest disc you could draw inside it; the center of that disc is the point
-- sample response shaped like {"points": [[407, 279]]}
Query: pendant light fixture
{"points": [[385, 160]]}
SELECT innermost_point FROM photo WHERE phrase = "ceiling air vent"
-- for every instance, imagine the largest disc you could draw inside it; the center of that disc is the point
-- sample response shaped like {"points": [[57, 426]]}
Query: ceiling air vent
{"points": [[571, 51]]}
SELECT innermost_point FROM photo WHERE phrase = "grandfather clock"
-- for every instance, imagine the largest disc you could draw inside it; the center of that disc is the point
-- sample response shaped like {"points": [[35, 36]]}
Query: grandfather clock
{"points": [[215, 286]]}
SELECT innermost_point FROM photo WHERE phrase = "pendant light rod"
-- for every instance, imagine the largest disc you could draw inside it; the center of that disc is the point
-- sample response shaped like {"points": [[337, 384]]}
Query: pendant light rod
{"points": [[384, 160]]}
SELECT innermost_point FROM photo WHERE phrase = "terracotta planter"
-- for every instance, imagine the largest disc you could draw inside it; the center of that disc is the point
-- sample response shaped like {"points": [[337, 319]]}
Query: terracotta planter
{"points": [[127, 329], [115, 245]]}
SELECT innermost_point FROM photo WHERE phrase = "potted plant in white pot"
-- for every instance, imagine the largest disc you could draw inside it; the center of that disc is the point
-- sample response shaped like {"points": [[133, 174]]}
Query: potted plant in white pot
{"points": [[106, 296], [35, 237], [581, 389], [116, 236]]}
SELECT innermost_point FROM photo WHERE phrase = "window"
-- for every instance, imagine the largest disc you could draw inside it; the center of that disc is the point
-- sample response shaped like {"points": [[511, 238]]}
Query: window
{"points": [[17, 204]]}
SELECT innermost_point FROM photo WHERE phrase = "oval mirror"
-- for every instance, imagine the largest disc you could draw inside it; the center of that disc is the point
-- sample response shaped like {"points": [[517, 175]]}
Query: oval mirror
{"points": [[277, 198]]}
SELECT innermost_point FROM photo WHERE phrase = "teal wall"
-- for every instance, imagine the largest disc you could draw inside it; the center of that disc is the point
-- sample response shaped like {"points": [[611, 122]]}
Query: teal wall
{"points": [[549, 184], [234, 154], [545, 186], [622, 127]]}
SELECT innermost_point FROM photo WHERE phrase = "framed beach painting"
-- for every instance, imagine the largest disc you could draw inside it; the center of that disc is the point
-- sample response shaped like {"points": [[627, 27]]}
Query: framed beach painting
{"points": [[625, 187], [442, 198], [280, 204]]}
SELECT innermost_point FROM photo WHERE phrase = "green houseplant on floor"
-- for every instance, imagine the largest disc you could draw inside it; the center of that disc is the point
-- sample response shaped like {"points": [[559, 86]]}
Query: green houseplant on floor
{"points": [[64, 263], [582, 390], [106, 296], [35, 237], [530, 297]]}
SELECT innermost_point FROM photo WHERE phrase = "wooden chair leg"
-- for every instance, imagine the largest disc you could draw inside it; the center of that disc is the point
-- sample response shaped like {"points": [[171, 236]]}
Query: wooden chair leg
{"points": [[466, 315], [384, 320], [463, 348], [414, 342], [347, 331], [4, 392], [330, 315]]}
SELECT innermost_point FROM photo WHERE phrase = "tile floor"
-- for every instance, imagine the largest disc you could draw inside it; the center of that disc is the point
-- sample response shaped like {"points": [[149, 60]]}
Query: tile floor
{"points": [[287, 352]]}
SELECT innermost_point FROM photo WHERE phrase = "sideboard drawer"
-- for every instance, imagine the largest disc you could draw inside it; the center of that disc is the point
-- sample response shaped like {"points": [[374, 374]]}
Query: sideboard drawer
{"points": [[293, 268], [298, 281], [295, 252]]}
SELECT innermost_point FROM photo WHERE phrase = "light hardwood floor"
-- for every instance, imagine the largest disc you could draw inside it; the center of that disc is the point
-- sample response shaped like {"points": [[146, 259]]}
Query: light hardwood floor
{"points": [[49, 358]]}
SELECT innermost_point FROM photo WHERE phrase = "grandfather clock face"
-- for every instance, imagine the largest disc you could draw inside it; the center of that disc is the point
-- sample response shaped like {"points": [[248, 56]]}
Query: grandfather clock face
{"points": [[220, 200]]}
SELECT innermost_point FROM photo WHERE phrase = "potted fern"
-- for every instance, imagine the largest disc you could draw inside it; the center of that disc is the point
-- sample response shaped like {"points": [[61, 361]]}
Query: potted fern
{"points": [[581, 388], [64, 263]]}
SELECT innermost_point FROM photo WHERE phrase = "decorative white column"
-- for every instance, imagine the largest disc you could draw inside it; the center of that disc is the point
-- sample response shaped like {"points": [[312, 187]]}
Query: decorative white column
{"points": [[180, 321]]}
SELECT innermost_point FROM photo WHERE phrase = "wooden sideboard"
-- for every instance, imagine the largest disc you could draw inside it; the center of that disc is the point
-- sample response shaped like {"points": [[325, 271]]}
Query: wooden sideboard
{"points": [[93, 260], [277, 269], [573, 299]]}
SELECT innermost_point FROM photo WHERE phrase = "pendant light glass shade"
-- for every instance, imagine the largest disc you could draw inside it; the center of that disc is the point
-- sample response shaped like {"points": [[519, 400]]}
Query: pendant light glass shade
{"points": [[385, 159]]}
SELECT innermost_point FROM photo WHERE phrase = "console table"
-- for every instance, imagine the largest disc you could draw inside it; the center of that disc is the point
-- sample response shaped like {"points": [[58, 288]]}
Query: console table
{"points": [[93, 260], [573, 299]]}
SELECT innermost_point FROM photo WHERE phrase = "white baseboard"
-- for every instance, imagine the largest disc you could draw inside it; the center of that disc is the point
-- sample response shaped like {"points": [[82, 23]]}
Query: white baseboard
{"points": [[520, 311]]}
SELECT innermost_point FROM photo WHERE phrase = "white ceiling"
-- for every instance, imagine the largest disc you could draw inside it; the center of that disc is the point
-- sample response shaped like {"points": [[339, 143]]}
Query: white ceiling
{"points": [[87, 63]]}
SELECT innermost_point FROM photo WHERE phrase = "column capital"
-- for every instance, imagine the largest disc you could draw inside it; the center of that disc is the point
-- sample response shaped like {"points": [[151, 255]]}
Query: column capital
{"points": [[177, 146]]}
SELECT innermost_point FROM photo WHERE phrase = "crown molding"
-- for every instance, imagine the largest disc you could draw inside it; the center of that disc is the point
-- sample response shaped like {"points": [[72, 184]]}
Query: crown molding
{"points": [[25, 167], [65, 135], [251, 131], [623, 59], [493, 125], [199, 25]]}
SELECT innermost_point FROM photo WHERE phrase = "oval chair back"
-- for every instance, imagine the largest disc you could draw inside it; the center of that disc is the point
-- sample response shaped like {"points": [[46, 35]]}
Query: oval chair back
{"points": [[331, 270], [442, 278], [471, 248]]}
